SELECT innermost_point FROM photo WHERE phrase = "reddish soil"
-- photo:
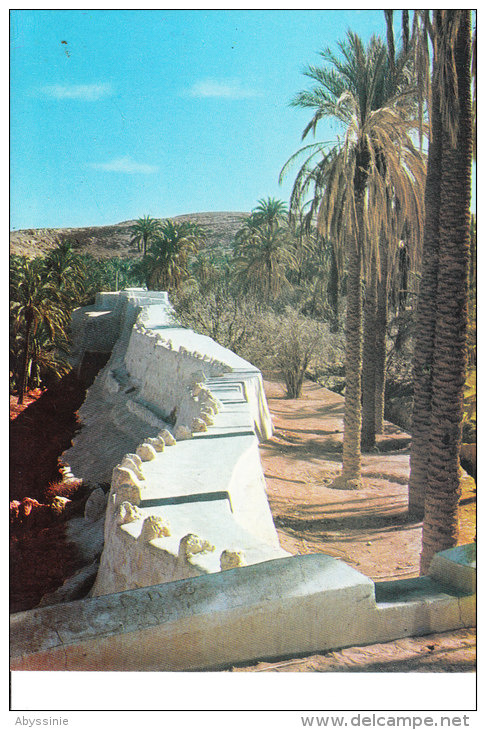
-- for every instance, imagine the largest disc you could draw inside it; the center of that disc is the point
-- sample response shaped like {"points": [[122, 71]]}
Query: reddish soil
{"points": [[40, 430], [368, 528]]}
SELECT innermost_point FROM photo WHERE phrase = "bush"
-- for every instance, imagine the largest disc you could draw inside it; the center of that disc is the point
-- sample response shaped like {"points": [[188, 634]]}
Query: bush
{"points": [[291, 344], [285, 341], [216, 313]]}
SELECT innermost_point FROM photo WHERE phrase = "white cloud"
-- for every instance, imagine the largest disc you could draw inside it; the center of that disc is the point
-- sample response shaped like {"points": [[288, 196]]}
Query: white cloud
{"points": [[229, 89], [125, 165], [82, 92]]}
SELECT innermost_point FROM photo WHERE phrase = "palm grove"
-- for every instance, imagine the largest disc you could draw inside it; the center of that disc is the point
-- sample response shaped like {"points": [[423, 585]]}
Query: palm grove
{"points": [[370, 259]]}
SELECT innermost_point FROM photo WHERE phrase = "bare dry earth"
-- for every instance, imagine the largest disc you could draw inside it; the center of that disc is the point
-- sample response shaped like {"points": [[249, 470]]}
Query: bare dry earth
{"points": [[369, 528], [110, 241]]}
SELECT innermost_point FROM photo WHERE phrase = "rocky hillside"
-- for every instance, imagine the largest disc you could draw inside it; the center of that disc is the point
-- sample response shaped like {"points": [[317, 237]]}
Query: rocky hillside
{"points": [[109, 241]]}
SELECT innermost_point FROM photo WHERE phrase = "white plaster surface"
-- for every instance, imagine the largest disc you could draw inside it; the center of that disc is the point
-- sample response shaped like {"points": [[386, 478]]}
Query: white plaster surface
{"points": [[456, 567], [160, 373], [148, 378], [278, 608]]}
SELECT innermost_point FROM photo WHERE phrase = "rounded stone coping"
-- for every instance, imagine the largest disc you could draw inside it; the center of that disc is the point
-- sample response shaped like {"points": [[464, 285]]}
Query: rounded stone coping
{"points": [[211, 521]]}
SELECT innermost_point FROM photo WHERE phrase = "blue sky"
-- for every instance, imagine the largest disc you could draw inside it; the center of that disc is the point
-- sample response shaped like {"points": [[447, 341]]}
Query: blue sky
{"points": [[120, 113]]}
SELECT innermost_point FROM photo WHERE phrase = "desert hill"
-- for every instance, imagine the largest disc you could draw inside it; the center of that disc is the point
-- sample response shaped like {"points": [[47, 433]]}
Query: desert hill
{"points": [[109, 241]]}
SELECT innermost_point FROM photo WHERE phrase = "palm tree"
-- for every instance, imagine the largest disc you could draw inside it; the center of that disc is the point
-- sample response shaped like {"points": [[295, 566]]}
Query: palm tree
{"points": [[399, 243], [441, 338], [316, 263], [429, 30], [49, 358], [262, 258], [65, 270], [270, 211], [166, 264], [35, 304], [350, 188], [387, 271], [316, 274], [211, 270], [119, 272], [143, 231], [94, 277]]}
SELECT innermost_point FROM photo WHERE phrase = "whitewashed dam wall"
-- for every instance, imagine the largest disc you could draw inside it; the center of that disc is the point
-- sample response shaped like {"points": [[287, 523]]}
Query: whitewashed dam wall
{"points": [[172, 422], [192, 576]]}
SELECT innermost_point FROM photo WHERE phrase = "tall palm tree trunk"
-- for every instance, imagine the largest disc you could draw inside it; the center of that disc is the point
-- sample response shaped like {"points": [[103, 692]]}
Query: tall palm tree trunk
{"points": [[381, 323], [449, 368], [25, 359], [425, 319], [351, 474], [369, 361], [354, 359], [333, 291]]}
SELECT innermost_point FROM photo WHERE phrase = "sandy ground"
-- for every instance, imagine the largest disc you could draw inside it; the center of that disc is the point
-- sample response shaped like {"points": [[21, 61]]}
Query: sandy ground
{"points": [[369, 529]]}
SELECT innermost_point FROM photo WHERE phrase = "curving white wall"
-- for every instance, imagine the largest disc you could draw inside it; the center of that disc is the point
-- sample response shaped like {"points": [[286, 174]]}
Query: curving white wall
{"points": [[192, 413], [183, 511]]}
